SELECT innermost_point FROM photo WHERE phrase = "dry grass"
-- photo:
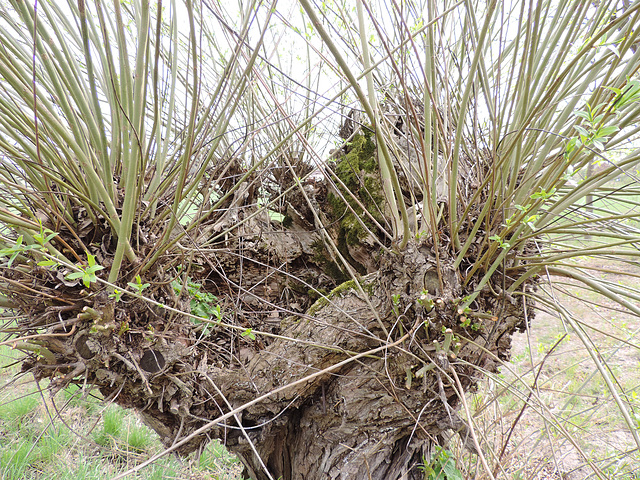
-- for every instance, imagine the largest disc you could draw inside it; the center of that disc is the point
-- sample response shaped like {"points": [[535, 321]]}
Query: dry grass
{"points": [[571, 419]]}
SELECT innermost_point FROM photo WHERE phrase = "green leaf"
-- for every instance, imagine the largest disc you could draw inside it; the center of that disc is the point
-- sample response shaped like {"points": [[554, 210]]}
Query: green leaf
{"points": [[571, 145], [583, 114], [582, 131], [47, 263], [91, 260], [138, 285], [94, 268], [605, 131], [248, 333], [117, 294], [450, 470], [74, 275], [44, 236], [630, 94], [543, 194]]}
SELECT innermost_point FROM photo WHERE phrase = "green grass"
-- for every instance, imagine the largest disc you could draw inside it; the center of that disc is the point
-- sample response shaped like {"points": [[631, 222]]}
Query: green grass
{"points": [[32, 446], [214, 458]]}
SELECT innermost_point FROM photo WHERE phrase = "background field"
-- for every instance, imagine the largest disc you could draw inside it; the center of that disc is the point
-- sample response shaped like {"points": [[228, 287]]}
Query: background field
{"points": [[570, 418]]}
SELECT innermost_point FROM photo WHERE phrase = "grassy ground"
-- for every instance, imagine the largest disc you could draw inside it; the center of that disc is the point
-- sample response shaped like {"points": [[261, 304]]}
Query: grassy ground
{"points": [[570, 418], [88, 440]]}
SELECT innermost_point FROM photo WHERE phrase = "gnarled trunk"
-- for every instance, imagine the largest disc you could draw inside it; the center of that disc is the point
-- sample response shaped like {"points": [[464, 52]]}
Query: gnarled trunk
{"points": [[376, 416], [358, 384]]}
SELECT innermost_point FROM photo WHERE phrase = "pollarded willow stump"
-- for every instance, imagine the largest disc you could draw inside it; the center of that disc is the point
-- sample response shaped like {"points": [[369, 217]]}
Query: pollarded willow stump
{"points": [[367, 374]]}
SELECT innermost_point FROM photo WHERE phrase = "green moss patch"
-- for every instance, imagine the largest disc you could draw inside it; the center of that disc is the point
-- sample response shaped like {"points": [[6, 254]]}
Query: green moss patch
{"points": [[358, 169], [339, 291]]}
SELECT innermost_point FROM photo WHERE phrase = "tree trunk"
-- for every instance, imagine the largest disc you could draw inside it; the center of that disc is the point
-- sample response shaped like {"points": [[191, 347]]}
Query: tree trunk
{"points": [[371, 418], [359, 384]]}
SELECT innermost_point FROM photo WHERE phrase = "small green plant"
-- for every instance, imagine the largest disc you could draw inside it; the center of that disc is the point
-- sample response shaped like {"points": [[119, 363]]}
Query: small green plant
{"points": [[216, 456], [543, 194], [441, 467], [41, 239], [112, 422], [117, 294], [18, 412], [530, 221], [15, 250], [625, 96], [51, 444], [249, 334], [593, 134], [203, 304], [14, 461], [395, 298], [138, 286], [88, 273], [138, 437], [44, 236], [501, 243]]}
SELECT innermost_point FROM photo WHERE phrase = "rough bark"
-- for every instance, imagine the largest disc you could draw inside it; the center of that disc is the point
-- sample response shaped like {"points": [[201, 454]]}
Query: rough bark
{"points": [[376, 416]]}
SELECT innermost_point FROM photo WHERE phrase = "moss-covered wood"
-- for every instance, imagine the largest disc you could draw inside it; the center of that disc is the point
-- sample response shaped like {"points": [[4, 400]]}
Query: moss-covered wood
{"points": [[360, 176]]}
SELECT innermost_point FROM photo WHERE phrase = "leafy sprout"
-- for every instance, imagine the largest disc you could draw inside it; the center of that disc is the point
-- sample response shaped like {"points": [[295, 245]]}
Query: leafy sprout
{"points": [[87, 273]]}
